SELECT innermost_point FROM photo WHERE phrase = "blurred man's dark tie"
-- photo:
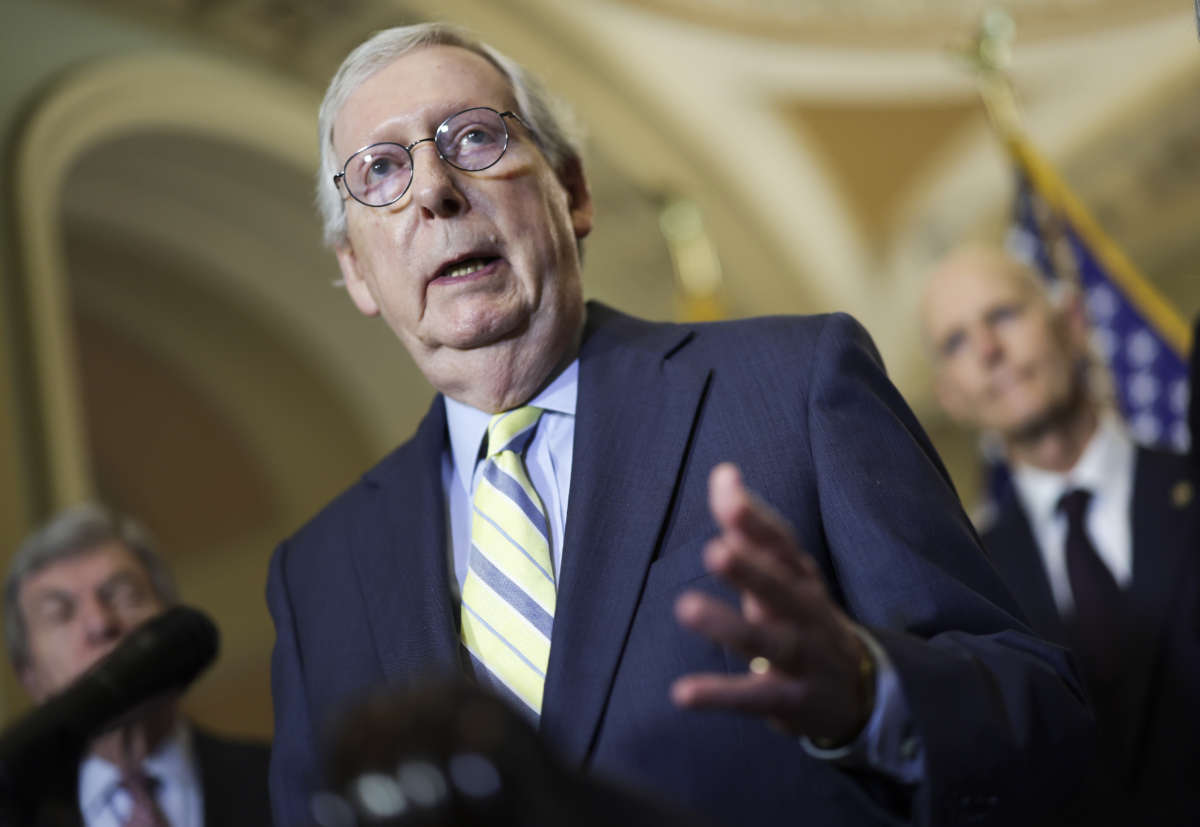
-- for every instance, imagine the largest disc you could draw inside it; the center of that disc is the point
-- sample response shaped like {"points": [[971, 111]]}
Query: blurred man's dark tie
{"points": [[1097, 620]]}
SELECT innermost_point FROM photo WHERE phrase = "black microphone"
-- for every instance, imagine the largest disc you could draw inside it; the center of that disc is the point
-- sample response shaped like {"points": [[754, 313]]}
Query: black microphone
{"points": [[164, 654]]}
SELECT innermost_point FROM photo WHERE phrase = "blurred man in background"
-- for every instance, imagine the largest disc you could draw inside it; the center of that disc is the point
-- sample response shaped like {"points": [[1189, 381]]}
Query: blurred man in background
{"points": [[1099, 541], [76, 587]]}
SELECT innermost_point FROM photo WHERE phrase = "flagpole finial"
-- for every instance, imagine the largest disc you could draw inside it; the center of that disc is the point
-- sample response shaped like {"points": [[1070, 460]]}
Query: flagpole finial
{"points": [[993, 41], [989, 55]]}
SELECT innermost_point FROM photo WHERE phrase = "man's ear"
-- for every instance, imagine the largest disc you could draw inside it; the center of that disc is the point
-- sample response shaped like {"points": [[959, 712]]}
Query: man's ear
{"points": [[356, 285], [579, 197]]}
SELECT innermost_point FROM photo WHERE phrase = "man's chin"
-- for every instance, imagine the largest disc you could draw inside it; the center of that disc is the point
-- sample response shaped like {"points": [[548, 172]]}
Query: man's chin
{"points": [[482, 331], [1030, 425]]}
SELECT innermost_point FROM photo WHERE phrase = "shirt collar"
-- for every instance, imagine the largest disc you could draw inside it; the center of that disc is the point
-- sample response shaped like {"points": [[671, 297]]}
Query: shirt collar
{"points": [[1108, 457], [467, 425], [98, 778], [172, 757]]}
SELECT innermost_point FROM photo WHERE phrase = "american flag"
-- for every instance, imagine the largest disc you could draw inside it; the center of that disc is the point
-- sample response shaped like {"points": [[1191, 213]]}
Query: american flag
{"points": [[1143, 341]]}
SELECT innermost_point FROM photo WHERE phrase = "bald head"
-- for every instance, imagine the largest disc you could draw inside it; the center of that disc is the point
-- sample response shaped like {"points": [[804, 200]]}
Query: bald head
{"points": [[1007, 358], [964, 273]]}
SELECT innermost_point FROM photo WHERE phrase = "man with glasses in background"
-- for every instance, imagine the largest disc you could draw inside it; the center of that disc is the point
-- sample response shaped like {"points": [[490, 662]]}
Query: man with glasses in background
{"points": [[634, 532]]}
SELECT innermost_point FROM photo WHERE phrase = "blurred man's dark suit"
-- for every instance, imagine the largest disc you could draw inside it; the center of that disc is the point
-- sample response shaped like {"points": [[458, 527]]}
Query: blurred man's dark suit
{"points": [[361, 595], [1150, 721]]}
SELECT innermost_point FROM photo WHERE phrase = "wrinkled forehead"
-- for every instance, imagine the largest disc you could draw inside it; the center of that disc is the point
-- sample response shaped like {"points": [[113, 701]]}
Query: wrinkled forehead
{"points": [[406, 99], [967, 285]]}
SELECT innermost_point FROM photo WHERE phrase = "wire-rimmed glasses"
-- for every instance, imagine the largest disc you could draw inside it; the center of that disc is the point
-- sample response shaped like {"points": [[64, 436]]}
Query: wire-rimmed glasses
{"points": [[471, 140]]}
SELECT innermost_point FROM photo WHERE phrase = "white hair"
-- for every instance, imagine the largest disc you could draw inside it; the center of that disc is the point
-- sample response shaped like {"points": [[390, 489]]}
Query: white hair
{"points": [[546, 117]]}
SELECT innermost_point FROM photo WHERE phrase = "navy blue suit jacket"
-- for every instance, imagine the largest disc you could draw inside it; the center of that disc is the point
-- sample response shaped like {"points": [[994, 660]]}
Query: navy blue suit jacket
{"points": [[361, 595], [1150, 726]]}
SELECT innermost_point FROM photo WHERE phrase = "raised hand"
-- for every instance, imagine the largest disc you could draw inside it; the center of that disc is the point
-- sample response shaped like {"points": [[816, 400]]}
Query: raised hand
{"points": [[810, 671]]}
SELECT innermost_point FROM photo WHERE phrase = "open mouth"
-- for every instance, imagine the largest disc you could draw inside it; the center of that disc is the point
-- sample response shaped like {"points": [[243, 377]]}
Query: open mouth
{"points": [[466, 267]]}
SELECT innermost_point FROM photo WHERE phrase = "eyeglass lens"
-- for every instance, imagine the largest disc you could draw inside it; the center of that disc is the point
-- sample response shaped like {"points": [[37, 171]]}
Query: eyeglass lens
{"points": [[471, 140]]}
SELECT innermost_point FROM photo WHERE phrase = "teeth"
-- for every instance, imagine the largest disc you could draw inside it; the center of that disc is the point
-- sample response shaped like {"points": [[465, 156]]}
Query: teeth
{"points": [[465, 268]]}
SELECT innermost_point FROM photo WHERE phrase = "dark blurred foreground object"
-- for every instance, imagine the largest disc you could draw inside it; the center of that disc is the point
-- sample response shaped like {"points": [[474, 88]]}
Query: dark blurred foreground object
{"points": [[40, 753], [451, 754]]}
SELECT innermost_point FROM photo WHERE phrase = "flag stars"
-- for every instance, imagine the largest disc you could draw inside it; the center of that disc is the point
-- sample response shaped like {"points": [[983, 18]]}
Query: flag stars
{"points": [[1177, 397], [1146, 428], [1102, 304], [1141, 348], [1143, 389]]}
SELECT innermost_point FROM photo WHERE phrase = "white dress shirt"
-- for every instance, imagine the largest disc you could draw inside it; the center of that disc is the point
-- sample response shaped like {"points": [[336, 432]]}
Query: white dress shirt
{"points": [[886, 743], [104, 803], [1106, 470]]}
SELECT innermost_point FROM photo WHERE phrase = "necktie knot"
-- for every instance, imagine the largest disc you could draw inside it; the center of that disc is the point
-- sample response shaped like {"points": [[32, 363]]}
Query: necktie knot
{"points": [[138, 780], [1074, 504], [512, 430], [142, 789]]}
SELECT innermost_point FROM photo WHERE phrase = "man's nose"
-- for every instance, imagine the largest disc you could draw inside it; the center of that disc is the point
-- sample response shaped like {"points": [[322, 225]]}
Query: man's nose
{"points": [[988, 346], [101, 622], [435, 191]]}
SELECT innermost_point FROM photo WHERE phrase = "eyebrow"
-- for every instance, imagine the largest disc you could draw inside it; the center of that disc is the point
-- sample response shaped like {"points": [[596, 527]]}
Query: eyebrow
{"points": [[119, 578], [51, 593], [440, 113]]}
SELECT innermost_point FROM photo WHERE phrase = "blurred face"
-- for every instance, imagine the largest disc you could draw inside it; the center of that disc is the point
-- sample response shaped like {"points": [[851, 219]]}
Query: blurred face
{"points": [[78, 609], [464, 261], [1005, 359]]}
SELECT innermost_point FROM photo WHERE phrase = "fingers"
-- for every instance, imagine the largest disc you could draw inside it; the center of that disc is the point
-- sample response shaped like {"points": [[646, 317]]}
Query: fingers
{"points": [[811, 683], [765, 581], [745, 519], [786, 616], [782, 644], [750, 693]]}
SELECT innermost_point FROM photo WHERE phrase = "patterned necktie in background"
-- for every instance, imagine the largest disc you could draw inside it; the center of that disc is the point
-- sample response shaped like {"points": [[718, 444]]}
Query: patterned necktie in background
{"points": [[1098, 619], [509, 592], [145, 811]]}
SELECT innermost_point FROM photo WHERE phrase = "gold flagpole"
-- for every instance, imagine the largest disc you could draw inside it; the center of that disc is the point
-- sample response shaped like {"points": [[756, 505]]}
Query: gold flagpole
{"points": [[989, 55]]}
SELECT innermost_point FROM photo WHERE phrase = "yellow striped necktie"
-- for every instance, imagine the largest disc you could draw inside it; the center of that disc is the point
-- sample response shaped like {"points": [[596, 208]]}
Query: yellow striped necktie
{"points": [[508, 595]]}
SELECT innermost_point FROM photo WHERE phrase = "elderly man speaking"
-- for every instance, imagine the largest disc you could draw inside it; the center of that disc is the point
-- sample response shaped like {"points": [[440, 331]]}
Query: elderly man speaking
{"points": [[573, 523]]}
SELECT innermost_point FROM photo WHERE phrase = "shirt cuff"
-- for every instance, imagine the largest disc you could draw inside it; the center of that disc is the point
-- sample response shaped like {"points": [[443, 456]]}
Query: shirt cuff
{"points": [[887, 744]]}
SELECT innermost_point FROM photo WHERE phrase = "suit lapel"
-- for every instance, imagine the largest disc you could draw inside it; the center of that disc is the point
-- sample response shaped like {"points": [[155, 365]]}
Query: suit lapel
{"points": [[1015, 554], [1163, 501], [401, 559], [635, 413]]}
